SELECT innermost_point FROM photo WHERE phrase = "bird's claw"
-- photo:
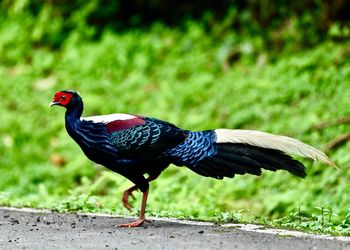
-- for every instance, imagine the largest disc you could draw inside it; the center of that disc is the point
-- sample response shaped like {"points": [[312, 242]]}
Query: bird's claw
{"points": [[125, 199], [132, 196], [126, 204], [136, 223]]}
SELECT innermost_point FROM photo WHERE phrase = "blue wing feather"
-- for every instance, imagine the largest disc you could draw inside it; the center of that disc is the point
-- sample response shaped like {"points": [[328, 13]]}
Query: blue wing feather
{"points": [[153, 137], [196, 147]]}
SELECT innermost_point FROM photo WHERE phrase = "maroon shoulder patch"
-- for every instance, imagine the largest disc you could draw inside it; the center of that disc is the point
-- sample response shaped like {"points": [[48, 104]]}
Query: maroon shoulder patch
{"points": [[124, 124]]}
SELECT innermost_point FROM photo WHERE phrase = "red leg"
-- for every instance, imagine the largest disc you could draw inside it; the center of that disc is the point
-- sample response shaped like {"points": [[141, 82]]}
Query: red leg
{"points": [[141, 218], [128, 192], [127, 205]]}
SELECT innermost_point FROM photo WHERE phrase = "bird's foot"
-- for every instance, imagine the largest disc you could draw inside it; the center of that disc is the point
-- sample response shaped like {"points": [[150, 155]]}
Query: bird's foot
{"points": [[136, 223], [125, 198]]}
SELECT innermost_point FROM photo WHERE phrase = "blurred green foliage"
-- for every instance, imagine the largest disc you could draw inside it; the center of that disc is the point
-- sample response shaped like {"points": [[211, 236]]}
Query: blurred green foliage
{"points": [[29, 24], [195, 77]]}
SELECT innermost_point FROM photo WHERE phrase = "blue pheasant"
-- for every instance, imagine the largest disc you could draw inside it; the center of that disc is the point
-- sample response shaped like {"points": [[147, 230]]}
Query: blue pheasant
{"points": [[135, 145]]}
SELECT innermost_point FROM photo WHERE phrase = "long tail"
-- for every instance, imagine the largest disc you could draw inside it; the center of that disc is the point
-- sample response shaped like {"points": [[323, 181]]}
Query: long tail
{"points": [[265, 140], [248, 151]]}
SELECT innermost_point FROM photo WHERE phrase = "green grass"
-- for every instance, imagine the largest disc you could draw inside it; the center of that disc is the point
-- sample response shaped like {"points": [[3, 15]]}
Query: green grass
{"points": [[182, 77]]}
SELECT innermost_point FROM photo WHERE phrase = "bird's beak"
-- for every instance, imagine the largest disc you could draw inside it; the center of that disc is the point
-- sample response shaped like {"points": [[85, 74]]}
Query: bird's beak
{"points": [[53, 103]]}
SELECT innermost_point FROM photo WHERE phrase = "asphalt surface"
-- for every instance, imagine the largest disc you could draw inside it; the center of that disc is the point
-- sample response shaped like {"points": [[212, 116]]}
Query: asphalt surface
{"points": [[42, 230]]}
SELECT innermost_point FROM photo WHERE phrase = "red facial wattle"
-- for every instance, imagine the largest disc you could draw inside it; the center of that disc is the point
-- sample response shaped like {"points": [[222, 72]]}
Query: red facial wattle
{"points": [[61, 98]]}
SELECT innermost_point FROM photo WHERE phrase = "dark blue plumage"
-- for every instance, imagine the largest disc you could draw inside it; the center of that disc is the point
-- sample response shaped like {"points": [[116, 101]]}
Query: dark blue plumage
{"points": [[198, 146], [134, 146]]}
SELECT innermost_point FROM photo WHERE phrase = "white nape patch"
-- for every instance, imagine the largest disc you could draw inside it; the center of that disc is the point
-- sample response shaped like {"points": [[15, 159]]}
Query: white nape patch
{"points": [[108, 118], [266, 140]]}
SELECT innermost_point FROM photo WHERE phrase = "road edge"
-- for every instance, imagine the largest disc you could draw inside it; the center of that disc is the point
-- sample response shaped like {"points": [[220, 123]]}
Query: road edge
{"points": [[239, 226]]}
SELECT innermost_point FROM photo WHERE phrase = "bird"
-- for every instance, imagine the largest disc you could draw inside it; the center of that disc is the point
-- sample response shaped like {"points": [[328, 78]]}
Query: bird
{"points": [[137, 147]]}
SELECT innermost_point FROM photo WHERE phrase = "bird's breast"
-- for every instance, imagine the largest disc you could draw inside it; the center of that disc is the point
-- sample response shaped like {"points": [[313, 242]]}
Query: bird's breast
{"points": [[94, 140]]}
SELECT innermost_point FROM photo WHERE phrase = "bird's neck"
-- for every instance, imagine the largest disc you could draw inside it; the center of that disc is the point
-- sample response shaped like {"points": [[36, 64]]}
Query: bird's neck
{"points": [[93, 138], [73, 118]]}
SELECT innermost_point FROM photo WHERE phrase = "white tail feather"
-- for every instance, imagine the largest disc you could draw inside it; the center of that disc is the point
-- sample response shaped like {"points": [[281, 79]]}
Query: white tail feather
{"points": [[265, 140]]}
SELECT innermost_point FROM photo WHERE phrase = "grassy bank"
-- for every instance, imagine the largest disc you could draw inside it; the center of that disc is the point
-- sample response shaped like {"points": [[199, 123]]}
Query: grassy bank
{"points": [[190, 79]]}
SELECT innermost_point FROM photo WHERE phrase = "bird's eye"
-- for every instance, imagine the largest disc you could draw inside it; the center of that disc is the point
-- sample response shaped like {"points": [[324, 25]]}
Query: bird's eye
{"points": [[63, 97]]}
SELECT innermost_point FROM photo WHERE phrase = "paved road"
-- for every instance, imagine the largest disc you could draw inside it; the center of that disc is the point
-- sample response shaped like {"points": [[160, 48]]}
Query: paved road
{"points": [[41, 230]]}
